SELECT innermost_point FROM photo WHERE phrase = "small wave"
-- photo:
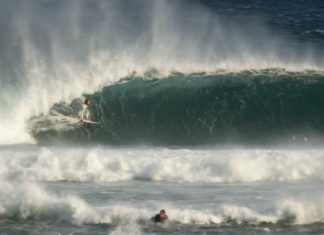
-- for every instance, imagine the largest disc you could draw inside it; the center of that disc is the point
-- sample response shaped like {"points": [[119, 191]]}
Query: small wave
{"points": [[209, 166], [30, 202], [315, 31]]}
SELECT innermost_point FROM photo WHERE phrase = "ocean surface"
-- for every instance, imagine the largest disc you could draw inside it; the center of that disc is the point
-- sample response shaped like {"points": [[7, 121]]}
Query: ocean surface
{"points": [[212, 110]]}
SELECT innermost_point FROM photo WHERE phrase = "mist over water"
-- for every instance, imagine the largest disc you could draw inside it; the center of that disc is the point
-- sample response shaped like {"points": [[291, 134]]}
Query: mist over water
{"points": [[57, 51]]}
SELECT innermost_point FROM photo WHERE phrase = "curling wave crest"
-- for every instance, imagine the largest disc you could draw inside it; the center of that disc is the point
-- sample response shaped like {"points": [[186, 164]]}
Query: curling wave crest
{"points": [[263, 108]]}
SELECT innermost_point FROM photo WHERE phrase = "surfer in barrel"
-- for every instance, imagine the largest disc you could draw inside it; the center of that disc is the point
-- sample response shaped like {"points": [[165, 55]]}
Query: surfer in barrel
{"points": [[85, 112]]}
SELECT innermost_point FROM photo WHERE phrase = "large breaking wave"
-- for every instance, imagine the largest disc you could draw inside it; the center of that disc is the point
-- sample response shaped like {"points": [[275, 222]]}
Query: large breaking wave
{"points": [[251, 107], [57, 51]]}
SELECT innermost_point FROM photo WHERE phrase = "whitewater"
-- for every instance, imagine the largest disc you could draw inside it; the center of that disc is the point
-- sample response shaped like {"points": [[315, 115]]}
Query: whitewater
{"points": [[211, 110], [177, 166], [105, 190]]}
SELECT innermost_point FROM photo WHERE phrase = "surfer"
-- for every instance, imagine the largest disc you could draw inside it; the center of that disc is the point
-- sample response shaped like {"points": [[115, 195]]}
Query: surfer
{"points": [[160, 218], [85, 112]]}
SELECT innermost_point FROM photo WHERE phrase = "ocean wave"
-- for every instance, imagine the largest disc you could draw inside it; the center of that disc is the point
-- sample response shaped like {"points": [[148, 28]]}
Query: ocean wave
{"points": [[49, 67], [208, 166], [252, 107], [30, 202]]}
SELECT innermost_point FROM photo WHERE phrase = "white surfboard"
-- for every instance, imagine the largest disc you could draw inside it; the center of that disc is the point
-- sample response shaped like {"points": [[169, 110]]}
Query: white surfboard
{"points": [[91, 122]]}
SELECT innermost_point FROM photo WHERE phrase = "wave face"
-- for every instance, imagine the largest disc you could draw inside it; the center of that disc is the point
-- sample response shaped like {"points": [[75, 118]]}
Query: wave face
{"points": [[264, 107], [56, 51]]}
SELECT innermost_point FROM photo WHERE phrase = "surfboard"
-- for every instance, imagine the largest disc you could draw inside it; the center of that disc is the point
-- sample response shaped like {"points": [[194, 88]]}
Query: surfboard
{"points": [[91, 122]]}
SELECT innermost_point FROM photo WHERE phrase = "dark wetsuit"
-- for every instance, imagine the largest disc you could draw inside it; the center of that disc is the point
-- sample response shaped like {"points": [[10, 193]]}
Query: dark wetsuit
{"points": [[159, 219]]}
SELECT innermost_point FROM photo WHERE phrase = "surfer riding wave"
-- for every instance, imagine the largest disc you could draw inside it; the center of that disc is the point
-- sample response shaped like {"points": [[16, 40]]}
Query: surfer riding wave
{"points": [[85, 112]]}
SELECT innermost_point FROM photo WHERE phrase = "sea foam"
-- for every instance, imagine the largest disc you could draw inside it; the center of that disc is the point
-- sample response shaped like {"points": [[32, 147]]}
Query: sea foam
{"points": [[32, 202], [182, 165]]}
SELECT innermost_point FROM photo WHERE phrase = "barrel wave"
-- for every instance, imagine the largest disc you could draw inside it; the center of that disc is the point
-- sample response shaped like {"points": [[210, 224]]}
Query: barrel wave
{"points": [[161, 72], [251, 107]]}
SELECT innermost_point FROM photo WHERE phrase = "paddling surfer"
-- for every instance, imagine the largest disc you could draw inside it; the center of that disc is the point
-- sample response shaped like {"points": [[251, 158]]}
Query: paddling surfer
{"points": [[160, 218]]}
